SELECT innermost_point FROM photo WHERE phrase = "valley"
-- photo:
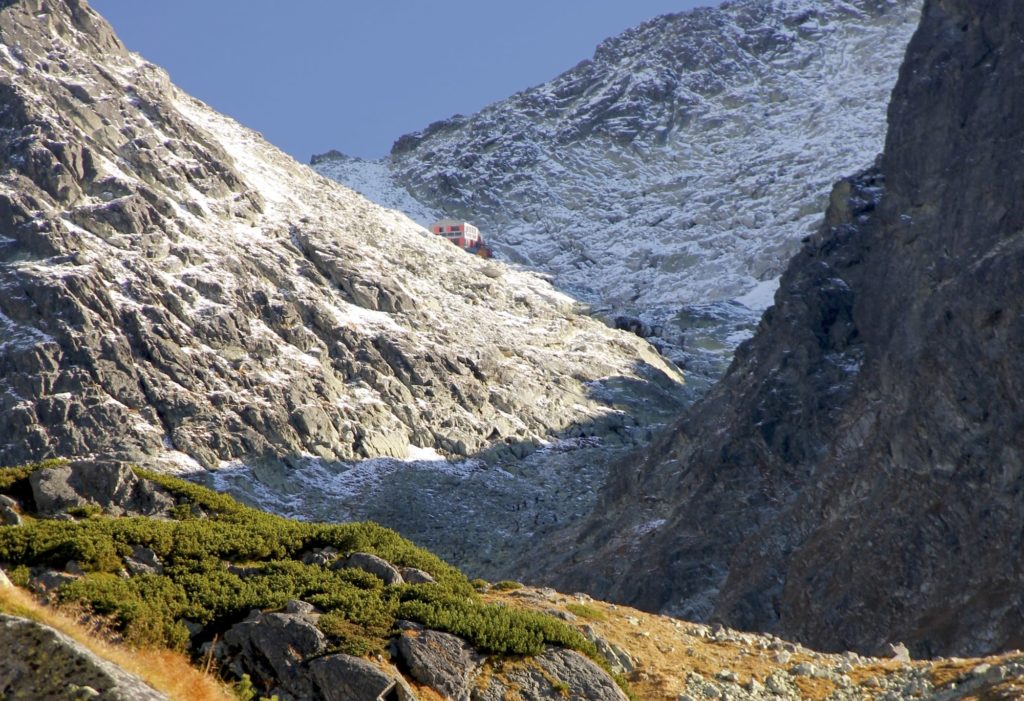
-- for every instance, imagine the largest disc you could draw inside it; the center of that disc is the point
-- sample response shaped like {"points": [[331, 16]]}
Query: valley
{"points": [[734, 412]]}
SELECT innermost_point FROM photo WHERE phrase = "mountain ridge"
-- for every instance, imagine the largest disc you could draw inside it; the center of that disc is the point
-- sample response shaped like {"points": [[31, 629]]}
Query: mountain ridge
{"points": [[179, 291], [620, 178]]}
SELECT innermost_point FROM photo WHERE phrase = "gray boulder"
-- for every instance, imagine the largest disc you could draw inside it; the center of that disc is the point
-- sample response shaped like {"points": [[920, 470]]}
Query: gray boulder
{"points": [[556, 675], [38, 662], [620, 661], [144, 561], [110, 485], [47, 581], [374, 565], [441, 661], [414, 575], [9, 515], [347, 678], [272, 647]]}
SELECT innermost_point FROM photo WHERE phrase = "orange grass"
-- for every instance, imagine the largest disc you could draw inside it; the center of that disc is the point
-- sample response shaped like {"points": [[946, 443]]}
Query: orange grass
{"points": [[166, 671]]}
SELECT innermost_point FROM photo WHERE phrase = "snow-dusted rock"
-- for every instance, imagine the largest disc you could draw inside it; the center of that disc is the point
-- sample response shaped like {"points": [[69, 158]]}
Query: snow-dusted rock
{"points": [[678, 167], [176, 291]]}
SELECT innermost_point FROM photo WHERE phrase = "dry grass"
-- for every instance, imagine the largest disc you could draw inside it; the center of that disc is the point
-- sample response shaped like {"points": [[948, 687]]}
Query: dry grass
{"points": [[952, 670], [666, 650], [812, 688], [166, 671], [1012, 690]]}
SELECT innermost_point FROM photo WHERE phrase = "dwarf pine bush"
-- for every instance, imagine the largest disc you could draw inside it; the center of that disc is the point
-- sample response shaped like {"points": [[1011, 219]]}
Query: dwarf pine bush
{"points": [[222, 559]]}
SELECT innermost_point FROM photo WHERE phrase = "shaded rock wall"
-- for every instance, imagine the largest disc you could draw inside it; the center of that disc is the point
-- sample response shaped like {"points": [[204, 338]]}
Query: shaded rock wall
{"points": [[857, 478]]}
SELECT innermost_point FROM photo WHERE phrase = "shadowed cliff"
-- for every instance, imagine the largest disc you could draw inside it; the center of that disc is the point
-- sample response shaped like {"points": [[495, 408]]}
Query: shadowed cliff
{"points": [[857, 476]]}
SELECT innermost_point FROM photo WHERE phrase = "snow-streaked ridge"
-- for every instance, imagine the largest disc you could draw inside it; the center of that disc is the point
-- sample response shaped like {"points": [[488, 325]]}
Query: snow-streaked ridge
{"points": [[680, 166]]}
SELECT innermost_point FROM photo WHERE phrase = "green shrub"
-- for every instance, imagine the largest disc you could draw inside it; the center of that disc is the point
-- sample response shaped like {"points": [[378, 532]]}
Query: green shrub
{"points": [[85, 511], [349, 637], [15, 479], [219, 567], [20, 575], [508, 585]]}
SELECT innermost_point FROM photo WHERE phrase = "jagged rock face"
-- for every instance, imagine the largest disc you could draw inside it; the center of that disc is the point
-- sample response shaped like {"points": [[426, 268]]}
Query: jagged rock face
{"points": [[857, 477], [172, 285], [682, 163], [673, 173]]}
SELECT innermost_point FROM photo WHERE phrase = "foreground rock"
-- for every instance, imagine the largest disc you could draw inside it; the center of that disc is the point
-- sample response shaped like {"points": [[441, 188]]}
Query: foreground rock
{"points": [[856, 479], [38, 662], [272, 648], [441, 661], [283, 653], [298, 652], [347, 678], [552, 676]]}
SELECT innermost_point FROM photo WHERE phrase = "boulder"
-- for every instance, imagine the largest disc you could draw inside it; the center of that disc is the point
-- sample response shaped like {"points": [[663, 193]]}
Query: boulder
{"points": [[144, 561], [272, 648], [441, 661], [113, 486], [620, 661], [38, 662], [347, 678], [48, 581], [8, 516], [319, 556], [374, 565], [414, 575], [556, 675]]}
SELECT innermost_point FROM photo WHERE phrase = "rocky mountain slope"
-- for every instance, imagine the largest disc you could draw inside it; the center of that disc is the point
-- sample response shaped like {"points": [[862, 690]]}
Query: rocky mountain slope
{"points": [[856, 478], [218, 580], [176, 291], [674, 172]]}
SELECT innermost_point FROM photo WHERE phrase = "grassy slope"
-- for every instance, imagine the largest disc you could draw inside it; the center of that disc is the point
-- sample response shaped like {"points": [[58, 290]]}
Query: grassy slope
{"points": [[668, 650], [222, 559]]}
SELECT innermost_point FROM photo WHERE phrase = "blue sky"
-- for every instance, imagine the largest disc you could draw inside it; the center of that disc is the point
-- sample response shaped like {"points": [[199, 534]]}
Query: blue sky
{"points": [[354, 75]]}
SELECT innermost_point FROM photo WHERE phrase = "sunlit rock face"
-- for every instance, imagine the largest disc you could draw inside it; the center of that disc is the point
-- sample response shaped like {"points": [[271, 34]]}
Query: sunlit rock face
{"points": [[670, 177], [174, 290]]}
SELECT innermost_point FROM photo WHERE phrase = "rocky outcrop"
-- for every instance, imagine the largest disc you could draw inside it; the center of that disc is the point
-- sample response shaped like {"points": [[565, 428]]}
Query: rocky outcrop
{"points": [[38, 662], [9, 511], [175, 291], [856, 479], [376, 566], [283, 653], [347, 678], [441, 661], [555, 675], [111, 486], [272, 649]]}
